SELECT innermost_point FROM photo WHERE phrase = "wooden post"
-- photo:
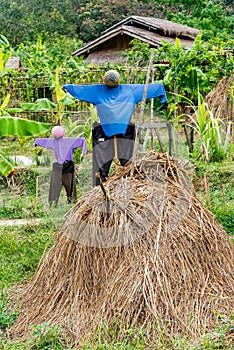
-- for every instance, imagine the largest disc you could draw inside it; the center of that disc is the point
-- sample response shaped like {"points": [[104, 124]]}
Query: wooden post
{"points": [[64, 196], [224, 199], [207, 190], [170, 136], [159, 140], [115, 154], [152, 115], [36, 198], [191, 139]]}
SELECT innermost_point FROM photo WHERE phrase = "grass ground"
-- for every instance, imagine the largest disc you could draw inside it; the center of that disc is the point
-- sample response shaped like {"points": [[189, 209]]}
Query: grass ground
{"points": [[21, 248]]}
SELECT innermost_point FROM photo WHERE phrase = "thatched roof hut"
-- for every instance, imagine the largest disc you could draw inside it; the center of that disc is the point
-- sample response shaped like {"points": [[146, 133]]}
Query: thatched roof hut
{"points": [[116, 39]]}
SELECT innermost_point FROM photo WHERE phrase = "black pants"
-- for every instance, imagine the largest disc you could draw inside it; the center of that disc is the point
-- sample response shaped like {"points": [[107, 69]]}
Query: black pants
{"points": [[104, 152], [62, 175]]}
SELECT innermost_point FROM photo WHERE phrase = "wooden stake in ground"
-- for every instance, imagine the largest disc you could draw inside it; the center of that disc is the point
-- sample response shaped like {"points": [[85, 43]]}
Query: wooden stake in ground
{"points": [[207, 190], [116, 154], [36, 197], [224, 199]]}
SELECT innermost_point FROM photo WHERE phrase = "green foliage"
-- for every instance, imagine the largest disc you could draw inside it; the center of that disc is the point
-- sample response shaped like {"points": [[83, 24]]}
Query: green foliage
{"points": [[200, 65], [26, 19], [221, 187], [5, 51], [23, 21], [207, 128], [7, 316], [221, 338], [203, 15], [10, 126], [46, 336], [19, 208], [119, 336], [21, 251], [48, 54], [226, 218]]}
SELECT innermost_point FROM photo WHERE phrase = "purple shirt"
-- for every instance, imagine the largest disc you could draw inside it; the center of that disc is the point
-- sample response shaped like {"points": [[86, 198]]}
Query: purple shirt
{"points": [[63, 147]]}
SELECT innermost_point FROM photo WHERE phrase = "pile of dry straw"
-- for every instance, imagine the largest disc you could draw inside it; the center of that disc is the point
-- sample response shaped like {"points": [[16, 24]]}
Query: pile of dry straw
{"points": [[220, 101], [143, 250]]}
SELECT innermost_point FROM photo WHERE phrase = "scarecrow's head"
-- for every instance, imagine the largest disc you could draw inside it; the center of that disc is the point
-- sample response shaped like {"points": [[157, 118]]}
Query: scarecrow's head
{"points": [[58, 131], [111, 78]]}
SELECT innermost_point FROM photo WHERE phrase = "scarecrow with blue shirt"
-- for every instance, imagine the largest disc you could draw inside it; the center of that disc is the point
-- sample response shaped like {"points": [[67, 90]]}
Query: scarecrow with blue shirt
{"points": [[115, 105]]}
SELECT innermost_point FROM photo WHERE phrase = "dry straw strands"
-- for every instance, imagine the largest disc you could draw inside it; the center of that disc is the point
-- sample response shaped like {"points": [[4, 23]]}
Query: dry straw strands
{"points": [[150, 254], [219, 100]]}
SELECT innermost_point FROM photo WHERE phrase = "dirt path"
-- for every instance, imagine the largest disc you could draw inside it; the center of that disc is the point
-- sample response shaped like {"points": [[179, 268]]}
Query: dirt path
{"points": [[17, 222]]}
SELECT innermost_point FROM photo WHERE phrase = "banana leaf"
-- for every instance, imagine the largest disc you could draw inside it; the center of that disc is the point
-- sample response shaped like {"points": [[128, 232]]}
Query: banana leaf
{"points": [[6, 168], [10, 126], [42, 104]]}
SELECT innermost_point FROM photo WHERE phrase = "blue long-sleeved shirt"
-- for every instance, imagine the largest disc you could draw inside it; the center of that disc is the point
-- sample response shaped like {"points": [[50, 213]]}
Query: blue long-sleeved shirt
{"points": [[115, 105]]}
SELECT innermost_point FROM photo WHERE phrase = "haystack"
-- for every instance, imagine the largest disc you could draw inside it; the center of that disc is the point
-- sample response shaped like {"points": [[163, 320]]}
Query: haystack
{"points": [[220, 100], [142, 250]]}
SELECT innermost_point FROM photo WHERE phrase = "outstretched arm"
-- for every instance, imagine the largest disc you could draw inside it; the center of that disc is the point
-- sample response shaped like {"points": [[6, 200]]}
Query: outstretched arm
{"points": [[80, 142], [87, 93], [154, 90], [43, 142]]}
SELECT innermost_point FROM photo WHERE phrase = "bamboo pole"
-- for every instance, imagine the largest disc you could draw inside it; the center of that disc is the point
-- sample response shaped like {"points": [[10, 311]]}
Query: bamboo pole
{"points": [[142, 107], [141, 117]]}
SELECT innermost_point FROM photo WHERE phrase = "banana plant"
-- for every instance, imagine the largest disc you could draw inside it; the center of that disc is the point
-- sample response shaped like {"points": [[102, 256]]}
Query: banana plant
{"points": [[5, 51], [63, 99], [207, 128], [6, 168], [11, 126], [56, 109]]}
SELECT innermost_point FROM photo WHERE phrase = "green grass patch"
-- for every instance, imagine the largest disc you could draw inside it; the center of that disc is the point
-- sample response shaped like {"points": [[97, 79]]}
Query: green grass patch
{"points": [[220, 179], [21, 249]]}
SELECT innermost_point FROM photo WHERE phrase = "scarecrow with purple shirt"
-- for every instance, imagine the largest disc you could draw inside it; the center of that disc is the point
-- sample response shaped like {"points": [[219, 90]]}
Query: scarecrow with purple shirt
{"points": [[63, 173], [115, 105]]}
